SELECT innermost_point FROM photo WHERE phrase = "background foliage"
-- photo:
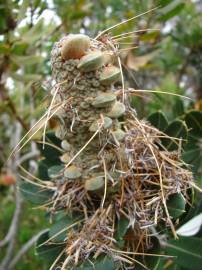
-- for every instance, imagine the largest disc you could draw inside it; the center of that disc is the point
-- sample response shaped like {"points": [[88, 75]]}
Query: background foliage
{"points": [[169, 60]]}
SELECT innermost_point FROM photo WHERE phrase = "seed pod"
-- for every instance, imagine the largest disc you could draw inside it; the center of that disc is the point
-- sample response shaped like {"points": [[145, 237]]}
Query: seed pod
{"points": [[117, 110], [94, 183], [119, 134], [55, 171], [60, 132], [75, 46], [107, 58], [91, 61], [104, 100], [65, 158], [97, 123], [65, 145], [110, 75], [72, 172]]}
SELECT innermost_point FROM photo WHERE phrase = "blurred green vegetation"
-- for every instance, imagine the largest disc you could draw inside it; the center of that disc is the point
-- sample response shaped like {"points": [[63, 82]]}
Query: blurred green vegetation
{"points": [[31, 222], [168, 60]]}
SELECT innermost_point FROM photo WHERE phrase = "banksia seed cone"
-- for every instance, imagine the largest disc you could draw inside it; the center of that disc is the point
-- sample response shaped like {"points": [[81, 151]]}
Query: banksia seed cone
{"points": [[113, 169]]}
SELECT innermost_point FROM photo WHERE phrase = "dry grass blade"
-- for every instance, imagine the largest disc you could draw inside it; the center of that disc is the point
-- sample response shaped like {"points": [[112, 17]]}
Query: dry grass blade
{"points": [[17, 148], [36, 184], [118, 24], [34, 177], [196, 187], [52, 145], [105, 187], [48, 114], [122, 80], [58, 233], [126, 49], [50, 108], [141, 253], [158, 92], [14, 150], [134, 32]]}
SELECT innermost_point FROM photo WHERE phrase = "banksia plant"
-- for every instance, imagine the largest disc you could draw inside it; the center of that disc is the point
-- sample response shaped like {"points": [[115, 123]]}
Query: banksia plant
{"points": [[116, 178]]}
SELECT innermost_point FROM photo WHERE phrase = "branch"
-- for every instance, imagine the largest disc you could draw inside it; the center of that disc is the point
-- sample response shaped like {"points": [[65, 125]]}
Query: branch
{"points": [[11, 236], [28, 156], [24, 249], [12, 233], [14, 223], [15, 113], [5, 97]]}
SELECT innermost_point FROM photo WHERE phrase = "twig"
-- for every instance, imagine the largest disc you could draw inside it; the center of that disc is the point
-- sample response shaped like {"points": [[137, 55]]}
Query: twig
{"points": [[24, 249], [28, 156], [5, 97], [14, 222], [11, 236]]}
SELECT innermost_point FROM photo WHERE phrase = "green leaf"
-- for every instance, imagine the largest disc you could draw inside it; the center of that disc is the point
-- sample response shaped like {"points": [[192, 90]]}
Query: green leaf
{"points": [[122, 227], [36, 3], [19, 48], [171, 10], [35, 194], [193, 149], [43, 170], [151, 262], [193, 120], [59, 228], [172, 265], [177, 129], [37, 31], [178, 108], [105, 263], [195, 208], [158, 120], [26, 77], [193, 154], [79, 15], [51, 153], [2, 21], [163, 2], [23, 8], [27, 60], [187, 252], [4, 48], [55, 171], [192, 227], [149, 36], [176, 205], [48, 252]]}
